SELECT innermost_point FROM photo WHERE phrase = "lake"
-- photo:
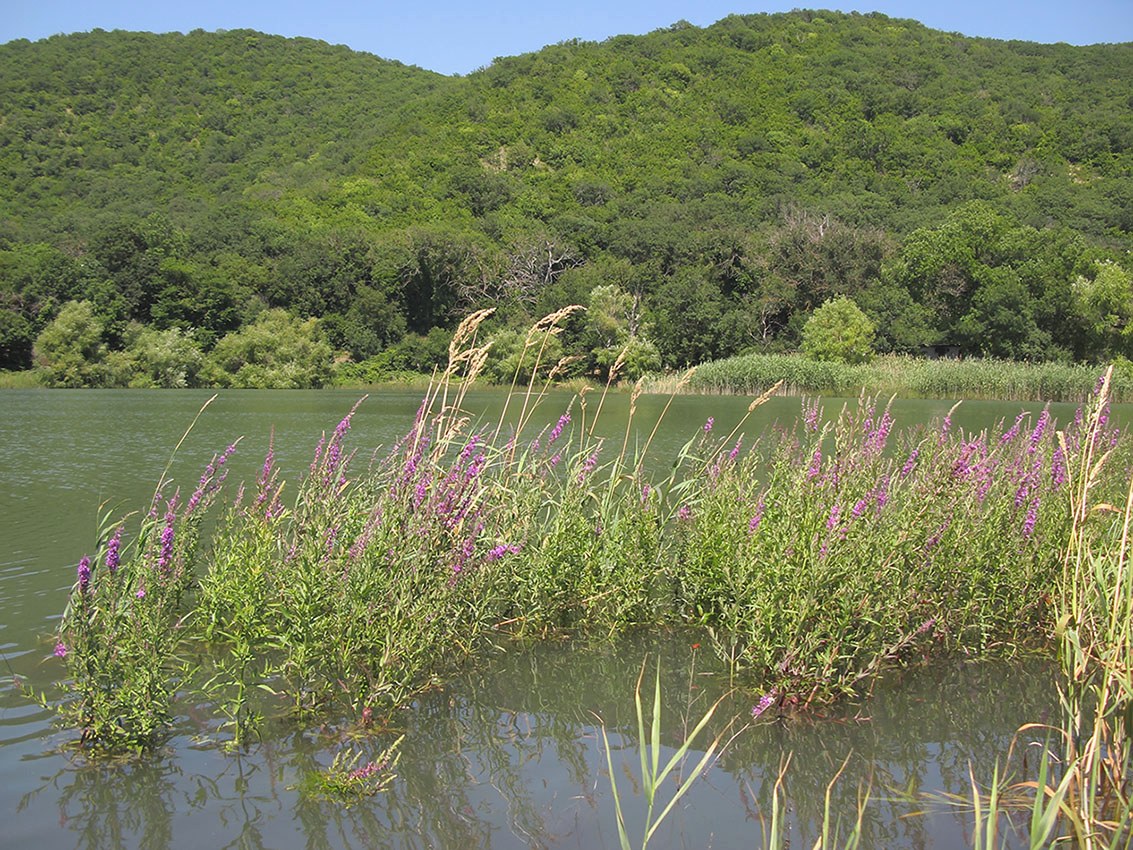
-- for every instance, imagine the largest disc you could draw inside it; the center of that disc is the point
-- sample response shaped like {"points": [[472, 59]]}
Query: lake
{"points": [[507, 752]]}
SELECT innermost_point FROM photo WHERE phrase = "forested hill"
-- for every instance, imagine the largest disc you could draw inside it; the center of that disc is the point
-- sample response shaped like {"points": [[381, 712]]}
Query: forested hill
{"points": [[702, 189]]}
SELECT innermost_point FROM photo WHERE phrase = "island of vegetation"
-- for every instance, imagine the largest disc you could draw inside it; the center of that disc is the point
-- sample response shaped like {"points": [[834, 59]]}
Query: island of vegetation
{"points": [[239, 209]]}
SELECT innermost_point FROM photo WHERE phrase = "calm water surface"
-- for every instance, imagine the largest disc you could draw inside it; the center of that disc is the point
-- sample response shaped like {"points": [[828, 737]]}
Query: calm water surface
{"points": [[508, 752]]}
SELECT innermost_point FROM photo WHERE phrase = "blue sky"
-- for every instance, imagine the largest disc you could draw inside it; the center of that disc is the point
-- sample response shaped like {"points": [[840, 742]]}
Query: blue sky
{"points": [[457, 36]]}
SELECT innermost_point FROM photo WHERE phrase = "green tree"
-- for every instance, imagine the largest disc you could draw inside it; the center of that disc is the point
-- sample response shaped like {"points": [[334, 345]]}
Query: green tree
{"points": [[1001, 321], [1106, 306], [614, 330], [71, 349], [838, 330], [276, 351], [16, 338], [170, 359]]}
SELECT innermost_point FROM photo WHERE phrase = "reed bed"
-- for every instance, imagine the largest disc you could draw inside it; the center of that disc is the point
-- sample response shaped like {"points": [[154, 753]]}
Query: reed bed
{"points": [[908, 377]]}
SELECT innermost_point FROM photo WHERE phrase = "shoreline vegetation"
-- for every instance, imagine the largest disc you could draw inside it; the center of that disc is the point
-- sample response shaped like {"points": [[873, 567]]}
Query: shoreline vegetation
{"points": [[814, 558], [888, 375]]}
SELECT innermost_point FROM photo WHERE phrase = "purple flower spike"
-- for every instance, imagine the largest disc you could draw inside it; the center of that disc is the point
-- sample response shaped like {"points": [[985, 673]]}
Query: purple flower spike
{"points": [[910, 463], [811, 414], [590, 464], [1030, 519], [708, 425], [165, 556], [1037, 434], [112, 551], [60, 650], [765, 702], [815, 465], [84, 574], [1058, 468], [685, 512], [753, 523], [1014, 430], [832, 520], [557, 431], [503, 549]]}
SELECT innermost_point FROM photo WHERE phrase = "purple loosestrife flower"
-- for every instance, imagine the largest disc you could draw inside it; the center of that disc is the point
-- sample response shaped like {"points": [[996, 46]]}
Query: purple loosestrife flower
{"points": [[474, 468], [832, 520], [1058, 468], [165, 555], [753, 523], [815, 465], [811, 415], [60, 650], [1013, 432], [935, 538], [1040, 428], [684, 513], [557, 431], [1030, 519], [113, 551], [945, 427], [881, 493], [911, 462], [590, 464], [765, 702], [84, 574], [734, 453], [318, 453], [858, 508], [141, 594], [266, 473], [926, 625], [555, 460], [708, 425], [469, 448], [498, 552]]}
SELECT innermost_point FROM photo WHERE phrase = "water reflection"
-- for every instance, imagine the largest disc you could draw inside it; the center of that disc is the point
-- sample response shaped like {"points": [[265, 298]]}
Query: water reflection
{"points": [[508, 754]]}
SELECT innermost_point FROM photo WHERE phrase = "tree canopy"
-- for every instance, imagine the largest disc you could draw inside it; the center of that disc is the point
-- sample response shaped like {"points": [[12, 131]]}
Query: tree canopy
{"points": [[727, 180]]}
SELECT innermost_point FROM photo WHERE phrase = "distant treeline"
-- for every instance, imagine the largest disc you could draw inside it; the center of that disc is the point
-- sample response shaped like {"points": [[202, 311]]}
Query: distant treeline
{"points": [[234, 207]]}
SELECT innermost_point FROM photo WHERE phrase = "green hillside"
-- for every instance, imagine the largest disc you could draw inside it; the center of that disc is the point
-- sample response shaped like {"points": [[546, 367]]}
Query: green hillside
{"points": [[702, 190]]}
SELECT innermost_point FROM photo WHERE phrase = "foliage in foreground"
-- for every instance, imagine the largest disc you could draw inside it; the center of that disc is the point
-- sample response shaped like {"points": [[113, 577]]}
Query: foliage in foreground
{"points": [[816, 556]]}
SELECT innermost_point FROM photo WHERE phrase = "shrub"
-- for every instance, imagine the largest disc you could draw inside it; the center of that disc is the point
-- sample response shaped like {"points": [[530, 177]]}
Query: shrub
{"points": [[276, 351], [839, 331]]}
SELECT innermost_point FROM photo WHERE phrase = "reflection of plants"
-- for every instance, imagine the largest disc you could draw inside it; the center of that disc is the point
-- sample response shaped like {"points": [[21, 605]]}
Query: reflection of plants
{"points": [[652, 775], [776, 832], [349, 782]]}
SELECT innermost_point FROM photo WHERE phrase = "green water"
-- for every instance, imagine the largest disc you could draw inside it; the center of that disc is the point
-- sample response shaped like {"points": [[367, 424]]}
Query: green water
{"points": [[507, 753]]}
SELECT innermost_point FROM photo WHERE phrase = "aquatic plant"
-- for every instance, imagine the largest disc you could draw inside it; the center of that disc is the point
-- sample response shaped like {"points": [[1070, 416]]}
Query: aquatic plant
{"points": [[817, 558], [122, 626], [653, 775]]}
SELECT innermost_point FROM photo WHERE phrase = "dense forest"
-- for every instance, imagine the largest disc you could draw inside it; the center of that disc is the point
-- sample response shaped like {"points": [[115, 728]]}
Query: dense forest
{"points": [[236, 208]]}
